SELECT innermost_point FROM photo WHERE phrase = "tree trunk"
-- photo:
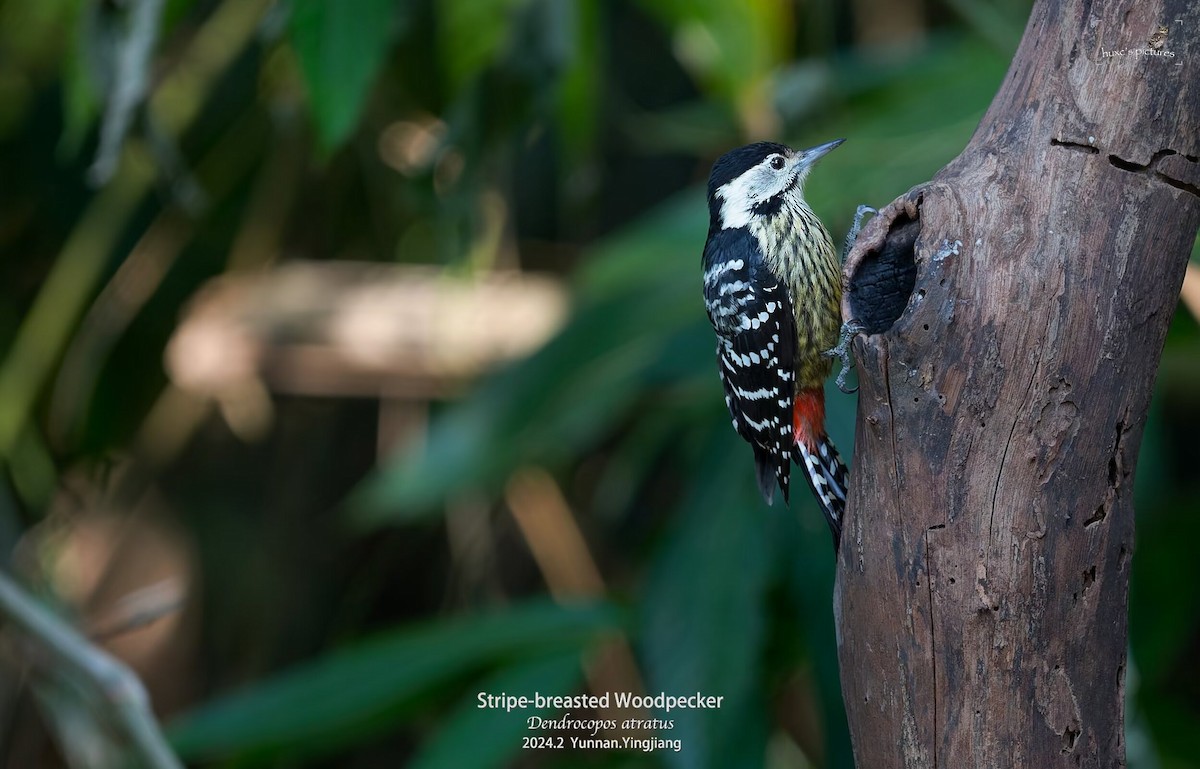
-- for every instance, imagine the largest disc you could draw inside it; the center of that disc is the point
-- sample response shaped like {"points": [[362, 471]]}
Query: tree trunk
{"points": [[1016, 308]]}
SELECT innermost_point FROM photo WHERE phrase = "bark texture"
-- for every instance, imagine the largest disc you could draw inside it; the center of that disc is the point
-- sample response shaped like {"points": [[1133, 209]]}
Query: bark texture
{"points": [[1016, 309]]}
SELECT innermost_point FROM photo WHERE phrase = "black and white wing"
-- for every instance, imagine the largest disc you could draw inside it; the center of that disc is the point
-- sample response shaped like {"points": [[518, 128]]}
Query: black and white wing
{"points": [[756, 339]]}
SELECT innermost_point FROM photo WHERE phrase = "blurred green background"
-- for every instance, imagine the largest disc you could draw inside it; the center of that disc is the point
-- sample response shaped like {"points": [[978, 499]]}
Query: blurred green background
{"points": [[352, 362]]}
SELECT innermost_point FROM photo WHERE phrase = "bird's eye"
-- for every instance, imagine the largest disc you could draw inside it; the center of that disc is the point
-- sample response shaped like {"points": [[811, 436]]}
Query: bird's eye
{"points": [[777, 163]]}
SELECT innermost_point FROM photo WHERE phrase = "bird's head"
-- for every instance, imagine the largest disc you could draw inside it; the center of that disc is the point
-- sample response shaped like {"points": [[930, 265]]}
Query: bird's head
{"points": [[756, 179]]}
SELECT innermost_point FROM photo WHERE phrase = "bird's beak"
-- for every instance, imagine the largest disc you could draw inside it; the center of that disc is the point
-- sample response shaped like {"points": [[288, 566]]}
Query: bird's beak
{"points": [[806, 158]]}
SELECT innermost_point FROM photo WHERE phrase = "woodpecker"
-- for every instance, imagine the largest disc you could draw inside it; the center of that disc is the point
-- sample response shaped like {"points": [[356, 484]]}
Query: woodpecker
{"points": [[772, 290]]}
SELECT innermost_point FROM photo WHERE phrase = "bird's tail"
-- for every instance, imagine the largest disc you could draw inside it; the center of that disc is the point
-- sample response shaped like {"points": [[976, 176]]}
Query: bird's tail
{"points": [[827, 477]]}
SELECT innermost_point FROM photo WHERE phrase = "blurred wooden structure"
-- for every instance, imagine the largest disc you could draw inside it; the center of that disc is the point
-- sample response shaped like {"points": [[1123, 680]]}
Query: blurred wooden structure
{"points": [[359, 329]]}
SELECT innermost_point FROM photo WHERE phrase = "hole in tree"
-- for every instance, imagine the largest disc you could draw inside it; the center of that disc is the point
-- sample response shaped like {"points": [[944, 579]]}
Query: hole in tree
{"points": [[1096, 517], [1114, 461], [1070, 735], [880, 288]]}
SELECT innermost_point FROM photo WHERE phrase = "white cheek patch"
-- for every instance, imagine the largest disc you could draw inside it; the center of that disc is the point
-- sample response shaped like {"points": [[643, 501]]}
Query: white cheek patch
{"points": [[748, 190], [736, 208]]}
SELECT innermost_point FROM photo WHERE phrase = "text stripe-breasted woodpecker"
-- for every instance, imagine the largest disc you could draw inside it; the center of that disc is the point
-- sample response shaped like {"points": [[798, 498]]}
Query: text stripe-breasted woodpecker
{"points": [[772, 289]]}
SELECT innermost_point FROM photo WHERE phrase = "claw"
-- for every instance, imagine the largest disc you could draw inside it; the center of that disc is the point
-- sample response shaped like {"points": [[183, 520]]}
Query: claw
{"points": [[852, 328], [855, 228], [849, 330]]}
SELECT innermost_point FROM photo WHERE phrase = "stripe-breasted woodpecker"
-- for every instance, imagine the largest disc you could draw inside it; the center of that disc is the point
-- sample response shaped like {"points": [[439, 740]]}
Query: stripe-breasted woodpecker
{"points": [[772, 289]]}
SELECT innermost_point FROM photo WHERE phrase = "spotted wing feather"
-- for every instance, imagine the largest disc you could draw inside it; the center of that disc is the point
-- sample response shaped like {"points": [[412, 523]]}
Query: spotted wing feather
{"points": [[756, 341]]}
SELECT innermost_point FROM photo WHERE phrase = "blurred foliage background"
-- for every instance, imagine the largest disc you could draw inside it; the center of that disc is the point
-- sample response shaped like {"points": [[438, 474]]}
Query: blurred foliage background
{"points": [[352, 362]]}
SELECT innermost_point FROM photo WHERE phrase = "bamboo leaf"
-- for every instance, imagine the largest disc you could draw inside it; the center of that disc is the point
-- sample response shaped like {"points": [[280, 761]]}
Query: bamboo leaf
{"points": [[341, 45]]}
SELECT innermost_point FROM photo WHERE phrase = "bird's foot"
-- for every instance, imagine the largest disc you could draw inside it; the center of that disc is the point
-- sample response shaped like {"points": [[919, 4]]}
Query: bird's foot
{"points": [[850, 329], [855, 228]]}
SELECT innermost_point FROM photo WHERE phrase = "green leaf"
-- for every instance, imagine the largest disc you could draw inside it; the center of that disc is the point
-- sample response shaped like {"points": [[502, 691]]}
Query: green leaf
{"points": [[703, 617], [729, 47], [356, 691], [579, 89], [662, 248], [473, 33], [483, 738], [340, 45], [81, 102]]}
